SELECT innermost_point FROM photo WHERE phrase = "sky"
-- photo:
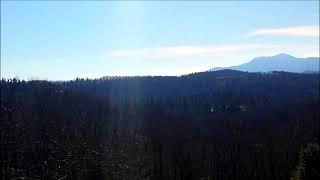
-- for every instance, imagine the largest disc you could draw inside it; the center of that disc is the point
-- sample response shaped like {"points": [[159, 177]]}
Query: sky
{"points": [[62, 40]]}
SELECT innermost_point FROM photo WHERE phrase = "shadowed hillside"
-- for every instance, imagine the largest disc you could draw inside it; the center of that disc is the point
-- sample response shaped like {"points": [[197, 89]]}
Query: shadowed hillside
{"points": [[211, 125]]}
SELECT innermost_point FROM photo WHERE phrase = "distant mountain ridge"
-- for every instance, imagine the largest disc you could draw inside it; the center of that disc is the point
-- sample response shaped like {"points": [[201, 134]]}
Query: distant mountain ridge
{"points": [[280, 62]]}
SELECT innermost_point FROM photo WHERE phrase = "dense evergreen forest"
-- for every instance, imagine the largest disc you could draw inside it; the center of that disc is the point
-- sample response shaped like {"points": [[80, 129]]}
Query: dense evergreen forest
{"points": [[223, 125]]}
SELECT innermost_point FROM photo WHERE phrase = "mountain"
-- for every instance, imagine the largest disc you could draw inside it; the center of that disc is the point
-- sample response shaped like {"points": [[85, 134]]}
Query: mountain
{"points": [[280, 62]]}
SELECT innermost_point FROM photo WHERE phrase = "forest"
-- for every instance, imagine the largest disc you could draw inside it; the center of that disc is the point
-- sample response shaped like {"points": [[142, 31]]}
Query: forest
{"points": [[222, 125]]}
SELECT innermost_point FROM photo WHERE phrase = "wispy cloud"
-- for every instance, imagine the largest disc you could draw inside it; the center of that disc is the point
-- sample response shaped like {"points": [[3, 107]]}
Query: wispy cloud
{"points": [[306, 31], [181, 51]]}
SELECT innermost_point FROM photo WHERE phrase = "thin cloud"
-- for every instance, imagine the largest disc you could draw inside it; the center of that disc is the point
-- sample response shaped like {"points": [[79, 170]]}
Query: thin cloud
{"points": [[305, 31], [181, 51]]}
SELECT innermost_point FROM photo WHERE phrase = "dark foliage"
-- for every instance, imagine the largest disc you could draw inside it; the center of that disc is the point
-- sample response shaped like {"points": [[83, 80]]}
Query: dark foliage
{"points": [[211, 125]]}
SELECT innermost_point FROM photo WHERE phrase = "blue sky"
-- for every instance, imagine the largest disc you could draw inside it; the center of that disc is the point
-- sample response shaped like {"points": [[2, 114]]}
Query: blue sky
{"points": [[67, 39]]}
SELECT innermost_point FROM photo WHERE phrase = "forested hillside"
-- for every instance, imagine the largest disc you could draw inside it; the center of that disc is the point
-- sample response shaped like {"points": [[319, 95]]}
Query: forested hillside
{"points": [[222, 125]]}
